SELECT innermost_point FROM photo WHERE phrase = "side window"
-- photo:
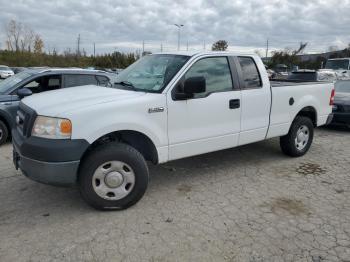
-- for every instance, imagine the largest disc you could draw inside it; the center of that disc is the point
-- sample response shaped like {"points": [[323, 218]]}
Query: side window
{"points": [[216, 72], [33, 86], [251, 76], [80, 80], [44, 83], [103, 81]]}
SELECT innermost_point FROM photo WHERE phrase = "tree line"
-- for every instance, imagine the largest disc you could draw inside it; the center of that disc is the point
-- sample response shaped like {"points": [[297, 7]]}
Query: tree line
{"points": [[25, 48], [292, 58], [30, 59]]}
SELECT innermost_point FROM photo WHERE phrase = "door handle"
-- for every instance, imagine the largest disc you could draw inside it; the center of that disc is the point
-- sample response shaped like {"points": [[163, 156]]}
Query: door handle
{"points": [[234, 103]]}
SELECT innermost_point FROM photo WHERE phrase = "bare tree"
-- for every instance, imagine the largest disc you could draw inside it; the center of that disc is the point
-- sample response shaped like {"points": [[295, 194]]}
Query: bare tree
{"points": [[301, 49], [13, 33], [19, 37], [27, 39], [38, 44]]}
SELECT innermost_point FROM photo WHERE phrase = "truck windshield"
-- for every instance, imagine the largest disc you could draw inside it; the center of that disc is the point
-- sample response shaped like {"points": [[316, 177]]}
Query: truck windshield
{"points": [[10, 82], [339, 64], [151, 73]]}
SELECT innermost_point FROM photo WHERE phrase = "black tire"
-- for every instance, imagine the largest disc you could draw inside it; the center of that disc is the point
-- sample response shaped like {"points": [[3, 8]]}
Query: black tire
{"points": [[113, 151], [4, 133], [287, 142]]}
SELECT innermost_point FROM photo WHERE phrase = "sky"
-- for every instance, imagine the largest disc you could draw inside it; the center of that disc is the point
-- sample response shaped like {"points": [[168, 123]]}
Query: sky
{"points": [[124, 25]]}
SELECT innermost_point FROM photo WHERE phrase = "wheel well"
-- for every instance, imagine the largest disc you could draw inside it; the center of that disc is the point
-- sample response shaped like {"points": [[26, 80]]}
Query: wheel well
{"points": [[309, 112], [3, 119], [138, 140]]}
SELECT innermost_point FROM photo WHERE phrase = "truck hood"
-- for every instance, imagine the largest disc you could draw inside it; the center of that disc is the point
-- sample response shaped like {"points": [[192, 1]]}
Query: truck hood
{"points": [[342, 98], [52, 103]]}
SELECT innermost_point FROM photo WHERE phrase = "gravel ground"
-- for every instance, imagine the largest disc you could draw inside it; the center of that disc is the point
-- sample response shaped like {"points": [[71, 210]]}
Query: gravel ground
{"points": [[246, 204]]}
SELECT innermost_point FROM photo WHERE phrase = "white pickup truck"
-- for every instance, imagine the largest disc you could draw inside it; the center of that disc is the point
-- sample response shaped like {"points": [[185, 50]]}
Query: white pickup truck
{"points": [[341, 67], [163, 107]]}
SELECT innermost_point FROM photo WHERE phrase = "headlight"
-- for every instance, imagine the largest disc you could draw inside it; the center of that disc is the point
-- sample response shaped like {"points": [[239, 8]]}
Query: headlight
{"points": [[52, 128]]}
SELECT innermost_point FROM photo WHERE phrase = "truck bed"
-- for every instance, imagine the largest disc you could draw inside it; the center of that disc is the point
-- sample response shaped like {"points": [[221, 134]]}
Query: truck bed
{"points": [[277, 83], [290, 97]]}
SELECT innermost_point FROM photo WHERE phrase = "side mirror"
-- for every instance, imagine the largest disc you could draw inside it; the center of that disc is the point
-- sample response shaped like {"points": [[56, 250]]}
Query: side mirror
{"points": [[194, 85], [23, 92], [191, 86]]}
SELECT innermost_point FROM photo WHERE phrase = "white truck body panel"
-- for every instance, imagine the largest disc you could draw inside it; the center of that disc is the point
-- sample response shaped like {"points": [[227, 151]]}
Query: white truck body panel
{"points": [[282, 114], [188, 127], [256, 105]]}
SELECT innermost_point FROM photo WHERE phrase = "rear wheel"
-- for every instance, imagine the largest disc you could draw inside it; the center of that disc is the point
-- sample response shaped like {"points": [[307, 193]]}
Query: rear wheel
{"points": [[299, 138], [113, 176], [4, 132]]}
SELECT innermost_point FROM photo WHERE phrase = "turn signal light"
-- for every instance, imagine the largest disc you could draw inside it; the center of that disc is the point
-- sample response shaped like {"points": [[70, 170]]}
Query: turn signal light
{"points": [[66, 126], [331, 101]]}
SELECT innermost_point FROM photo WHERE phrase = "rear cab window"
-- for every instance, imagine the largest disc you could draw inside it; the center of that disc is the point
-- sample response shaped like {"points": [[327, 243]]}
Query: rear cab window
{"points": [[249, 73]]}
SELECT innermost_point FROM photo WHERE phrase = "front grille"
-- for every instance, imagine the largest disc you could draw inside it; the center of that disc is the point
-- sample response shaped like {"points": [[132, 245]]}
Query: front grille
{"points": [[25, 119]]}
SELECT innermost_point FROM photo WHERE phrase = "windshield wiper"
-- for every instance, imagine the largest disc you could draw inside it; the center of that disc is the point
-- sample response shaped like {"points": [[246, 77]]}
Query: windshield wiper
{"points": [[126, 84]]}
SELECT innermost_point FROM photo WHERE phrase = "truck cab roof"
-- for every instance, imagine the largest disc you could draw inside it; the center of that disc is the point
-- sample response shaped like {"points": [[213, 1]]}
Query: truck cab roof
{"points": [[203, 53]]}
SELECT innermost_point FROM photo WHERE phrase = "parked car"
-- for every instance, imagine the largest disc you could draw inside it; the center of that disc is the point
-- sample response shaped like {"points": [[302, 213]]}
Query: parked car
{"points": [[163, 107], [312, 76], [17, 70], [341, 107], [37, 81], [270, 73], [281, 72], [5, 71]]}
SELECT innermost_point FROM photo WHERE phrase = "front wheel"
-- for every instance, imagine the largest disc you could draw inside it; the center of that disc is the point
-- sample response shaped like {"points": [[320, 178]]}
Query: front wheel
{"points": [[4, 133], [113, 176], [299, 138]]}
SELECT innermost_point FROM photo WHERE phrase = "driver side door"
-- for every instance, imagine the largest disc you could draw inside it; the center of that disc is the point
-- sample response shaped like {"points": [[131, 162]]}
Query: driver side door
{"points": [[209, 121]]}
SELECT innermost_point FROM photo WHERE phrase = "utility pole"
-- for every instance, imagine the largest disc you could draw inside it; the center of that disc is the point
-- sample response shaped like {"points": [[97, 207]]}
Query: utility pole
{"points": [[187, 46], [161, 47], [143, 48], [178, 35], [94, 50], [78, 47], [204, 45], [267, 48]]}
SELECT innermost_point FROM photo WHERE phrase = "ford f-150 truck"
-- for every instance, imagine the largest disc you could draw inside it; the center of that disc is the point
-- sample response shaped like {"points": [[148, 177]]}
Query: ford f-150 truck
{"points": [[163, 107]]}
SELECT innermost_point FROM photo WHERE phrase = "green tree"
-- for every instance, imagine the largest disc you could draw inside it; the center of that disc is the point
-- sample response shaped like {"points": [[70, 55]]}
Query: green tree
{"points": [[288, 57], [220, 45]]}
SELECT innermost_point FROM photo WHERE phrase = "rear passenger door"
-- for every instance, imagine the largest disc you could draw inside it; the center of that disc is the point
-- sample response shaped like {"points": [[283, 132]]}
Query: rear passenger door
{"points": [[256, 101]]}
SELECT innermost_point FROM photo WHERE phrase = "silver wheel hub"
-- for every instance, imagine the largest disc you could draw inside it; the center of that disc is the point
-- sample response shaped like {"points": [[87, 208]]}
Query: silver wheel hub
{"points": [[113, 180], [302, 137]]}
